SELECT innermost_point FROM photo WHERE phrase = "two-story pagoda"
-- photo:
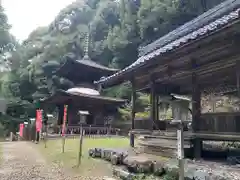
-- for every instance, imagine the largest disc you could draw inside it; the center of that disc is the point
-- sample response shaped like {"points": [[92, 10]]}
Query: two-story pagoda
{"points": [[85, 96]]}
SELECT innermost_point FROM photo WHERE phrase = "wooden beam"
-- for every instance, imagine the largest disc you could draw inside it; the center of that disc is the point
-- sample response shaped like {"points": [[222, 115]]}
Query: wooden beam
{"points": [[160, 89], [133, 112]]}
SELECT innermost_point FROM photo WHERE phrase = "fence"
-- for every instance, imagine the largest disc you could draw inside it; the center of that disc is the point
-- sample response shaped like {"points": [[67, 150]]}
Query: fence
{"points": [[90, 131]]}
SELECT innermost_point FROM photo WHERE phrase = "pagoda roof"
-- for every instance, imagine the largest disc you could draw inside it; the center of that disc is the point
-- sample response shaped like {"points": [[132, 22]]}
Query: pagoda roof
{"points": [[84, 70], [64, 97]]}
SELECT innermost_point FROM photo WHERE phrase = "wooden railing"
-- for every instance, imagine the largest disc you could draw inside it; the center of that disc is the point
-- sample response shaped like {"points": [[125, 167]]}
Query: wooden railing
{"points": [[220, 122]]}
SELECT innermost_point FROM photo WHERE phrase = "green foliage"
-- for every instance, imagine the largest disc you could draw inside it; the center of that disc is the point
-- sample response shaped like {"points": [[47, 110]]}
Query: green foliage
{"points": [[145, 114], [117, 29], [125, 113], [1, 130]]}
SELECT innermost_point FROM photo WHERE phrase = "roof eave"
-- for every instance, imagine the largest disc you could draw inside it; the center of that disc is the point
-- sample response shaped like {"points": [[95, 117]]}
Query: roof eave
{"points": [[172, 46]]}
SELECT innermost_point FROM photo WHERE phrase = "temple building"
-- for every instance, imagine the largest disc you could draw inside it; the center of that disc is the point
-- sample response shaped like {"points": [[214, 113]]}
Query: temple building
{"points": [[197, 59], [85, 96]]}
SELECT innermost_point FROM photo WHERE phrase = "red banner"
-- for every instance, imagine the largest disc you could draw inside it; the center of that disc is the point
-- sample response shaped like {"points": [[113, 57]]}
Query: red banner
{"points": [[21, 126], [64, 120], [39, 120]]}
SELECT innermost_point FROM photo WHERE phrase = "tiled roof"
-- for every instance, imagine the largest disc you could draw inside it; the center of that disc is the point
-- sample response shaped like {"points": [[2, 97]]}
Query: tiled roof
{"points": [[95, 65], [60, 93], [210, 27], [193, 25]]}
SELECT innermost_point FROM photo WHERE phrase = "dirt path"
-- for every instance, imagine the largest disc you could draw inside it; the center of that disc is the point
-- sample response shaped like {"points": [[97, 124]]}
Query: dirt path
{"points": [[22, 162]]}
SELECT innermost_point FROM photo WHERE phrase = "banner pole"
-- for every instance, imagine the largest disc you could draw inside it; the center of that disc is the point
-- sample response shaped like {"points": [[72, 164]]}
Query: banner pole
{"points": [[64, 128]]}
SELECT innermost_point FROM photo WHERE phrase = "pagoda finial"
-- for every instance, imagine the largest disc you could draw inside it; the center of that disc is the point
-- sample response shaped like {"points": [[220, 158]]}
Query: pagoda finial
{"points": [[86, 56]]}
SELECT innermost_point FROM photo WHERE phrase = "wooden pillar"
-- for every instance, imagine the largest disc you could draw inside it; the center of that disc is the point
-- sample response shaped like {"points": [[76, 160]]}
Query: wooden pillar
{"points": [[153, 105], [238, 78], [133, 113], [196, 114], [213, 102], [60, 114], [157, 108]]}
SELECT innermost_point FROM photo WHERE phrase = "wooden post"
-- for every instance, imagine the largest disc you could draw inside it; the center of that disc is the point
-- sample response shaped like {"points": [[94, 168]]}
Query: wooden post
{"points": [[133, 113], [213, 102], [196, 114], [153, 104], [80, 146], [46, 135], [157, 108], [238, 78], [180, 148], [64, 128], [63, 143]]}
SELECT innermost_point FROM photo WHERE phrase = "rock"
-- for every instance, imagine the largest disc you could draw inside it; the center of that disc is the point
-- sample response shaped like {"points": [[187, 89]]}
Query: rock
{"points": [[106, 154], [158, 168], [94, 153], [115, 159], [219, 176], [189, 173], [138, 164], [171, 168], [123, 174], [201, 175], [91, 152]]}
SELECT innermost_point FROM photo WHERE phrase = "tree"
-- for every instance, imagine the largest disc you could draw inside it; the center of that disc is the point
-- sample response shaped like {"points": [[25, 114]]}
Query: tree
{"points": [[117, 29]]}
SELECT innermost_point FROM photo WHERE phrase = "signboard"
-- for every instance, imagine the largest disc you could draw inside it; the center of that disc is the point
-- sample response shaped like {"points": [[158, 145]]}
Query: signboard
{"points": [[39, 120], [180, 144], [64, 119], [21, 126]]}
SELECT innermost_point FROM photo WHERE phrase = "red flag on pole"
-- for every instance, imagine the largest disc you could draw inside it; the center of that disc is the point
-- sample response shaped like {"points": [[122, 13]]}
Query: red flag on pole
{"points": [[64, 120], [39, 120], [21, 126]]}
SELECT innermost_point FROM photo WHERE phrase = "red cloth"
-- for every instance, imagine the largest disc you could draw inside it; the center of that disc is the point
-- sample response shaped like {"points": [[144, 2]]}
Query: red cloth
{"points": [[64, 120], [21, 126], [39, 120]]}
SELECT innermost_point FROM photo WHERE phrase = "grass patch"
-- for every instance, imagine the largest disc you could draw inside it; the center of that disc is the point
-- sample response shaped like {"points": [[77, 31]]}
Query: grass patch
{"points": [[69, 158]]}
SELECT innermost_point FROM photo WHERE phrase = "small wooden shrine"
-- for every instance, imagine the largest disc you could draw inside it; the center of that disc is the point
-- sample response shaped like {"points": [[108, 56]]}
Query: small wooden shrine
{"points": [[200, 57], [85, 96]]}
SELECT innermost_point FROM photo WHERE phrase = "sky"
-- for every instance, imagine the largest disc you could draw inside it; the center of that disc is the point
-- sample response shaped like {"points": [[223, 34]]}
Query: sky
{"points": [[27, 15]]}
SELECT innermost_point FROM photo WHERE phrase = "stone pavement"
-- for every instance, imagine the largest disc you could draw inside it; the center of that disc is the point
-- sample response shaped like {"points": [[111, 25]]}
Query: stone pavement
{"points": [[22, 162]]}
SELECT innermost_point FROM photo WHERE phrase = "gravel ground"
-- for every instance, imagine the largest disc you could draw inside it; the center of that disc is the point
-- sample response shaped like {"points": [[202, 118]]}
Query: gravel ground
{"points": [[22, 162]]}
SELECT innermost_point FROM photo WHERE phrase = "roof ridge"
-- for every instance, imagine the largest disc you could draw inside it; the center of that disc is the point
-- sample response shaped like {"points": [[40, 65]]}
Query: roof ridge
{"points": [[200, 21]]}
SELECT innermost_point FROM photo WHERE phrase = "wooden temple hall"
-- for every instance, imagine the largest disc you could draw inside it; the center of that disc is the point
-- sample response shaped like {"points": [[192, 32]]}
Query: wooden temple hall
{"points": [[199, 58], [85, 95]]}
